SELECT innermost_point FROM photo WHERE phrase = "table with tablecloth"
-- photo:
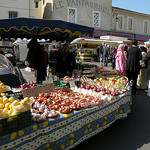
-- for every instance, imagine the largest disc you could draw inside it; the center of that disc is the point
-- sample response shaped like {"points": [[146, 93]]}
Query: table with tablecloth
{"points": [[68, 130]]}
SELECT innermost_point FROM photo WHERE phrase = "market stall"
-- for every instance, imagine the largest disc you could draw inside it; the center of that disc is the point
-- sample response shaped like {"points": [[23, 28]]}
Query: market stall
{"points": [[62, 118], [68, 130]]}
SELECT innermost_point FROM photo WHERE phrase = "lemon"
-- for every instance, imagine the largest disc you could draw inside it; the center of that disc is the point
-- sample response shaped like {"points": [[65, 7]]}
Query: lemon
{"points": [[7, 105], [11, 99], [3, 94], [10, 112], [5, 110], [2, 106], [1, 100], [70, 114], [104, 123], [71, 135], [45, 124], [21, 133], [90, 129], [71, 142], [62, 146], [26, 99], [85, 131], [13, 135], [5, 100], [4, 114], [47, 146], [89, 125], [97, 125], [15, 103], [34, 127], [65, 115]]}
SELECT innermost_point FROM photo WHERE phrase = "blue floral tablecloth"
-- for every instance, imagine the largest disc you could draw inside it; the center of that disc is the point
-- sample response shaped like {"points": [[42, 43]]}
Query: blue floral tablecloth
{"points": [[68, 130]]}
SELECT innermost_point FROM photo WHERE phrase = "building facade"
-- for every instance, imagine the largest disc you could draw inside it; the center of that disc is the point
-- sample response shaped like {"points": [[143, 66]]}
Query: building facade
{"points": [[100, 14], [16, 8]]}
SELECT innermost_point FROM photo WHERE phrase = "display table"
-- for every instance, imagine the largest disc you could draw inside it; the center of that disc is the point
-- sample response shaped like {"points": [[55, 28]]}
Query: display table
{"points": [[68, 130]]}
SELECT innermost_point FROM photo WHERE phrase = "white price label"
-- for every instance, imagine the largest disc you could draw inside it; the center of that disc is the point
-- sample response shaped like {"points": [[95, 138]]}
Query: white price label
{"points": [[72, 84]]}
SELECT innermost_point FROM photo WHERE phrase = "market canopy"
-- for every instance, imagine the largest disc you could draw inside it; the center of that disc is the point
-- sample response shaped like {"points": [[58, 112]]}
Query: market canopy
{"points": [[92, 41], [41, 28]]}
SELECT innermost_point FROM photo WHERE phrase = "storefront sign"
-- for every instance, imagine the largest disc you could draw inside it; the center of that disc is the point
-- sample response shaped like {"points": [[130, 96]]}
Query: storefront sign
{"points": [[84, 3]]}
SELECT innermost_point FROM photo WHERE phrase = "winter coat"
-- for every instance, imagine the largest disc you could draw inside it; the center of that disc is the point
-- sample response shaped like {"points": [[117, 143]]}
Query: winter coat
{"points": [[133, 60]]}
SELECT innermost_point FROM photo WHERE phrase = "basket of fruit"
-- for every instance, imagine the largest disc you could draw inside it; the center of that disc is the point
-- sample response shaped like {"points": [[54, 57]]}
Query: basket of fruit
{"points": [[14, 114]]}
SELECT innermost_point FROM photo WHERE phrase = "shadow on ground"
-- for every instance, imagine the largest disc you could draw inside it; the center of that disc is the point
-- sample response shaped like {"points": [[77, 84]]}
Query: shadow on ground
{"points": [[131, 133]]}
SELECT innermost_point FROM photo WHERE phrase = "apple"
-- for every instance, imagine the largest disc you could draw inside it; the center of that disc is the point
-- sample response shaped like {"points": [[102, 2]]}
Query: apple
{"points": [[108, 91], [88, 86], [113, 94], [73, 76], [79, 76], [103, 92], [103, 89], [98, 90], [82, 86], [95, 89], [92, 87]]}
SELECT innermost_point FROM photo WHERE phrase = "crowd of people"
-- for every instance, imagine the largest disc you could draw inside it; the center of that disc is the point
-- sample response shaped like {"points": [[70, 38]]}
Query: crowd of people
{"points": [[132, 62]]}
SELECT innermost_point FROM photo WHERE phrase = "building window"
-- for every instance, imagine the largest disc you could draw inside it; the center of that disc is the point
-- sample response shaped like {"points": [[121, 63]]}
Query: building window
{"points": [[120, 22], [96, 18], [36, 4], [72, 15], [13, 14], [145, 26], [43, 1], [130, 23]]}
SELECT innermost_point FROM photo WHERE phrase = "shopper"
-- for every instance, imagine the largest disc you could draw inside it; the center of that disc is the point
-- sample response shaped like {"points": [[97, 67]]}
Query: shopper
{"points": [[65, 63], [147, 65], [105, 54], [142, 77], [113, 56], [121, 60], [133, 64], [42, 68]]}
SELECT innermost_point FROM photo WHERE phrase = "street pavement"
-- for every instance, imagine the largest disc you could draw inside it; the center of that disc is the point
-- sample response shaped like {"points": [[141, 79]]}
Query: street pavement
{"points": [[131, 133]]}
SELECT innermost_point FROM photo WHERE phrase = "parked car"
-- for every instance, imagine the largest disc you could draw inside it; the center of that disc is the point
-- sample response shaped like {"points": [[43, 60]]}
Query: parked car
{"points": [[10, 53], [9, 74]]}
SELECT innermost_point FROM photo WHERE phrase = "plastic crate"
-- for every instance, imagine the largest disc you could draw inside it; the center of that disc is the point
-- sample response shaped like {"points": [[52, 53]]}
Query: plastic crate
{"points": [[19, 122]]}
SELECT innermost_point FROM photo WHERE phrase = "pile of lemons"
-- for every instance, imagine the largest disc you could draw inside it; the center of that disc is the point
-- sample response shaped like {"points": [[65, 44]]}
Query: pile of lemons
{"points": [[2, 87], [10, 106]]}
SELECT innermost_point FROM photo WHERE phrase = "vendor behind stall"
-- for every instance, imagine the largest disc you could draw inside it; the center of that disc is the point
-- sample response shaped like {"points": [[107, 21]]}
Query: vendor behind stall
{"points": [[65, 63]]}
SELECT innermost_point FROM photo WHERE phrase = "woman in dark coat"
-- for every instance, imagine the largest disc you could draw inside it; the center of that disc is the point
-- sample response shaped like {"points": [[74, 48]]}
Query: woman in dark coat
{"points": [[133, 64], [147, 65]]}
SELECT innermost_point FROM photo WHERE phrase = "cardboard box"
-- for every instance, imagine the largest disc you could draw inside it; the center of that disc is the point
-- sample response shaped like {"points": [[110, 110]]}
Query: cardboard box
{"points": [[46, 88]]}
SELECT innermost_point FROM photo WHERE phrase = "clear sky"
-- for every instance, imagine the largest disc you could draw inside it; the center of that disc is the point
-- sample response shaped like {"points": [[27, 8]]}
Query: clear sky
{"points": [[142, 6]]}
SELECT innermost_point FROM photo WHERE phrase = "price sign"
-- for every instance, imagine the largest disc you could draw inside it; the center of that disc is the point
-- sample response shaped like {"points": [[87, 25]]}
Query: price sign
{"points": [[72, 84]]}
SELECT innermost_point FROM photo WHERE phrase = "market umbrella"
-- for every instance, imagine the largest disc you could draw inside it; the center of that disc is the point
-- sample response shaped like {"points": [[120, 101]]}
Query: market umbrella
{"points": [[41, 28]]}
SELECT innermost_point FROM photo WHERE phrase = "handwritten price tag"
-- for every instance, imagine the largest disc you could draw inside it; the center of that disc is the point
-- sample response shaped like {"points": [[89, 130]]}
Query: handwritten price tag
{"points": [[72, 84]]}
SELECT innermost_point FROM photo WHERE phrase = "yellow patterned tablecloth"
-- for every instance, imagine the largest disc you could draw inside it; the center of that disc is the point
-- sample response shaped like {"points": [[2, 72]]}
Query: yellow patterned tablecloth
{"points": [[68, 130]]}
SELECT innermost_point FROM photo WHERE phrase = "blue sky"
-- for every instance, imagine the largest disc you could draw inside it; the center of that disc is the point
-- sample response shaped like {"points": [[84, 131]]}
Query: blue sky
{"points": [[142, 6]]}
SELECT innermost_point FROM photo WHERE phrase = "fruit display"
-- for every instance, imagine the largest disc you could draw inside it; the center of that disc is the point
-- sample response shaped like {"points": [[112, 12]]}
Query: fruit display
{"points": [[28, 85], [103, 86], [10, 106], [48, 105], [102, 71]]}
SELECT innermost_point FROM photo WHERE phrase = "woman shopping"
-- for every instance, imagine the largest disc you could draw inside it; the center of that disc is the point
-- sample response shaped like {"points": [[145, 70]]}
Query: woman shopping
{"points": [[121, 60]]}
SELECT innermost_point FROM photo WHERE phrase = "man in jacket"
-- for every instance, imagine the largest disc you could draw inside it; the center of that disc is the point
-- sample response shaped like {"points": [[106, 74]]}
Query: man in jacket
{"points": [[65, 63], [133, 64], [105, 54]]}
